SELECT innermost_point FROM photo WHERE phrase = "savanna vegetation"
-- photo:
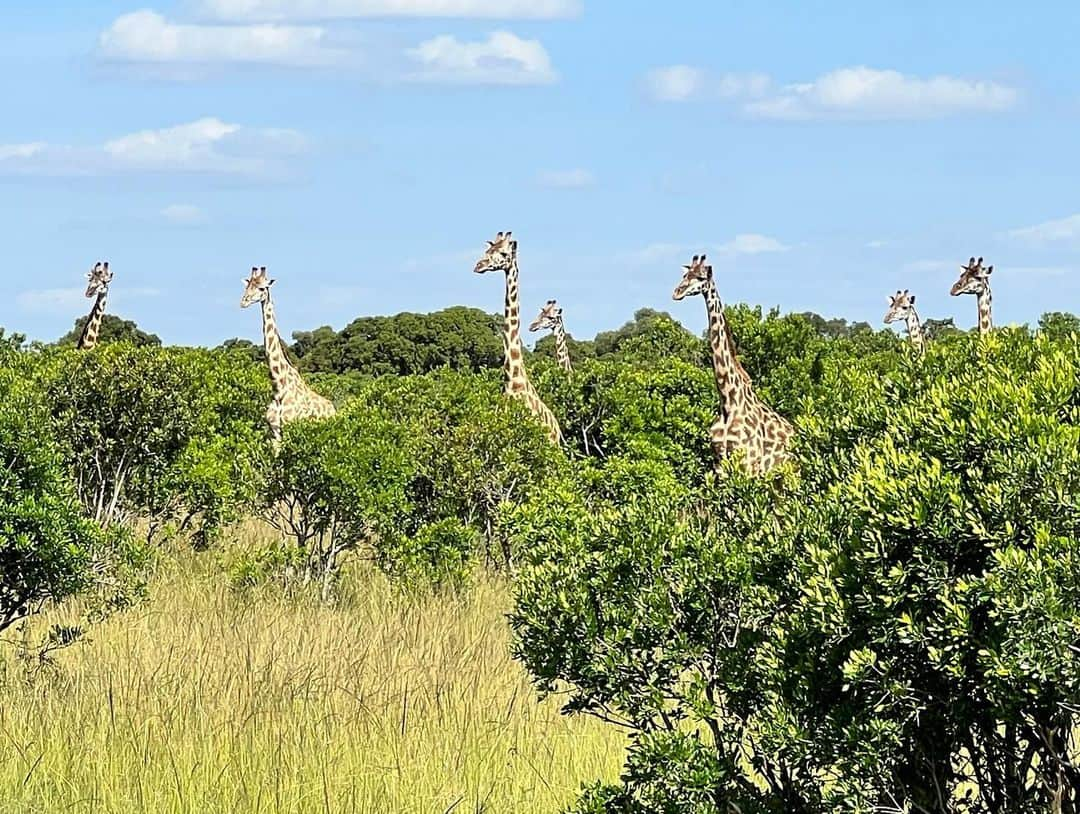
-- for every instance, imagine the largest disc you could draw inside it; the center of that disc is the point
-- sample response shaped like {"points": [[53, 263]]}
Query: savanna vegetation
{"points": [[422, 605]]}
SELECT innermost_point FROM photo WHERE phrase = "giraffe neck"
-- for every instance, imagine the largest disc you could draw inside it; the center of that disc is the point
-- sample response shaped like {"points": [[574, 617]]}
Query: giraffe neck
{"points": [[282, 372], [89, 337], [732, 382], [562, 352], [914, 329], [514, 364], [986, 323]]}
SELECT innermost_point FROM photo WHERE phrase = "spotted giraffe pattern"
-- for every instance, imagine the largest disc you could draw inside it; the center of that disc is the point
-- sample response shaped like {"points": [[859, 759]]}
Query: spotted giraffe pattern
{"points": [[551, 319], [97, 286], [975, 279], [745, 424], [902, 308], [292, 399], [501, 255]]}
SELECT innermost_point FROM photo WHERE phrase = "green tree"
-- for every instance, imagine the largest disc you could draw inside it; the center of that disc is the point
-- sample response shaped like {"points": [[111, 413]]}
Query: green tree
{"points": [[113, 329], [1059, 324], [891, 624], [49, 549]]}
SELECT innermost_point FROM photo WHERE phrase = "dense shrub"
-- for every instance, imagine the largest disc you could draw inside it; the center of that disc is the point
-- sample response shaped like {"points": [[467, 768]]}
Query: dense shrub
{"points": [[171, 436], [49, 549], [890, 626]]}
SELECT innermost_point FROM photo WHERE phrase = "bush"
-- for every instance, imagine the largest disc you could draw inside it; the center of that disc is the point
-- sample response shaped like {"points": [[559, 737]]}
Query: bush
{"points": [[49, 549], [167, 435], [894, 627], [338, 484]]}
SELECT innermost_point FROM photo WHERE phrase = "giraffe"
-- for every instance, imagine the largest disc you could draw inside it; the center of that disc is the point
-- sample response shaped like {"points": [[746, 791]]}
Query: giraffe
{"points": [[501, 255], [292, 398], [974, 279], [902, 307], [98, 280], [745, 422], [551, 318]]}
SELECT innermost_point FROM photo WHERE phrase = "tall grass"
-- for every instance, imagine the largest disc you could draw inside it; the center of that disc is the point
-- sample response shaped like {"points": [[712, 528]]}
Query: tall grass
{"points": [[203, 700]]}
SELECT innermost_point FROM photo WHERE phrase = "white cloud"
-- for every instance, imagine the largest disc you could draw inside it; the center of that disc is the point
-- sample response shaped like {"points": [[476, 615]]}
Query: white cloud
{"points": [[343, 9], [68, 300], [847, 93], [681, 83], [50, 300], [744, 244], [867, 93], [566, 179], [1062, 229], [147, 37], [502, 59], [675, 83], [205, 146], [752, 244], [183, 214]]}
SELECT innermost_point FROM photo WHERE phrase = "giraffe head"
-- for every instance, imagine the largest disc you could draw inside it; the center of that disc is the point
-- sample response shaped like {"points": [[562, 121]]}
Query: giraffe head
{"points": [[696, 275], [974, 279], [901, 305], [498, 255], [98, 279], [550, 316], [256, 287]]}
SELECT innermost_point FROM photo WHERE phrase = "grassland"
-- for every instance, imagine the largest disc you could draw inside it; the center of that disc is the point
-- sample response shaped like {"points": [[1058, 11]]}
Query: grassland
{"points": [[204, 700]]}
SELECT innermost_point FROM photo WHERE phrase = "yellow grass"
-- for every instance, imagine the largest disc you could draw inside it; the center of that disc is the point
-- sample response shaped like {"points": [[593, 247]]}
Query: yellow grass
{"points": [[200, 700]]}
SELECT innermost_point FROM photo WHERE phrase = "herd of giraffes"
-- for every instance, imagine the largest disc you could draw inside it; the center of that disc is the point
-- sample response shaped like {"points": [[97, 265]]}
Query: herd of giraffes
{"points": [[745, 423]]}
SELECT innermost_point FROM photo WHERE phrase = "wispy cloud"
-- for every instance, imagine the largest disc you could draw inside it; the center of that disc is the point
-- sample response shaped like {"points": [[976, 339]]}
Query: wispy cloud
{"points": [[183, 214], [1052, 231], [147, 38], [204, 146], [681, 83], [343, 9], [752, 244], [69, 300], [856, 92], [502, 59], [744, 244], [566, 179]]}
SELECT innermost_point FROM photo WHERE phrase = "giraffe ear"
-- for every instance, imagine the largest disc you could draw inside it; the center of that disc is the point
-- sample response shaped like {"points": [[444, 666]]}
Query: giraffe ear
{"points": [[989, 270], [513, 245], [912, 299], [270, 283]]}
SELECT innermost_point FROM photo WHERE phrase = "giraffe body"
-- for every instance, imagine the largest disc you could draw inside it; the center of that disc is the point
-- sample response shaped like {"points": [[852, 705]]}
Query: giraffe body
{"points": [[902, 307], [975, 279], [745, 424], [97, 287], [551, 318], [292, 399], [501, 255]]}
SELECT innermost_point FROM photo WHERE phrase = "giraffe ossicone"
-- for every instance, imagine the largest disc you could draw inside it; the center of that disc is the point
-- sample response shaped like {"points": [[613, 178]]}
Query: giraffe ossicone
{"points": [[745, 424], [902, 308], [501, 255], [97, 288], [550, 318], [975, 279], [292, 399]]}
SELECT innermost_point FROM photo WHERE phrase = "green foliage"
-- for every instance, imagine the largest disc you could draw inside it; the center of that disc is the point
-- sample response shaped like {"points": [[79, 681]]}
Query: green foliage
{"points": [[463, 339], [49, 549], [114, 330], [173, 436], [1059, 324], [894, 626]]}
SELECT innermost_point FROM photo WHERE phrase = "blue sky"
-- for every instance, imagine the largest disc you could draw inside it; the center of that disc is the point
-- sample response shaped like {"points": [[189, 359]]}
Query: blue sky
{"points": [[823, 153]]}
